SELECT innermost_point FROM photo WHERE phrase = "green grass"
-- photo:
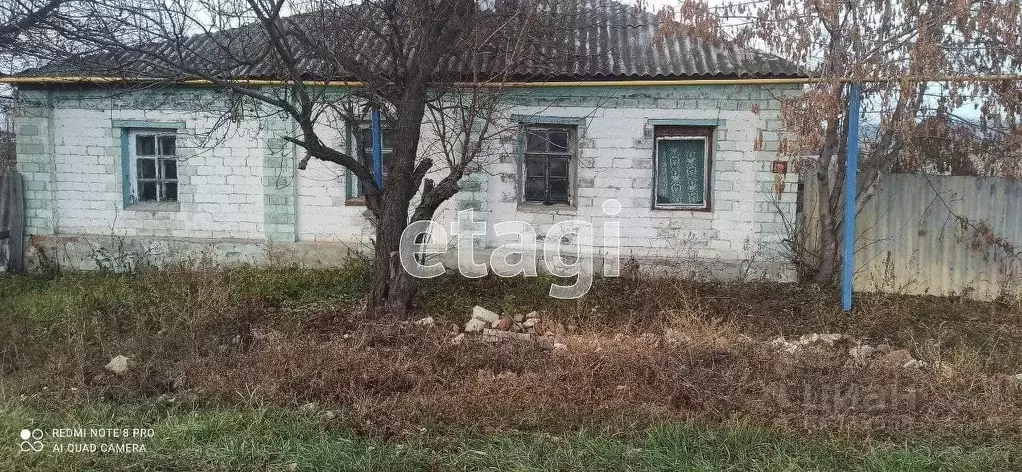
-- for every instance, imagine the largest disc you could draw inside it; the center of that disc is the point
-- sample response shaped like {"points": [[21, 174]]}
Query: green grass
{"points": [[257, 437]]}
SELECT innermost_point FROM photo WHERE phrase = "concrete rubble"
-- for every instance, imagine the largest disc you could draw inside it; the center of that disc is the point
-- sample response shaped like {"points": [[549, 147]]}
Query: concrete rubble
{"points": [[531, 327]]}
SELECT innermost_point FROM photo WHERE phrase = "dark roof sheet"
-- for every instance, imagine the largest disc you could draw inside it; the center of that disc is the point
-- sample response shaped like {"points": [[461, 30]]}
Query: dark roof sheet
{"points": [[594, 40]]}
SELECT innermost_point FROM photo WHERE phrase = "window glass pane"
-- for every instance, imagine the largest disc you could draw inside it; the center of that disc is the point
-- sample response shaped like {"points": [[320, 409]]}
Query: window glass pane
{"points": [[145, 145], [169, 168], [146, 168], [168, 145], [385, 162], [147, 191], [559, 141], [558, 191], [536, 141], [559, 167], [365, 151], [535, 166], [170, 191], [366, 140], [535, 190], [681, 168]]}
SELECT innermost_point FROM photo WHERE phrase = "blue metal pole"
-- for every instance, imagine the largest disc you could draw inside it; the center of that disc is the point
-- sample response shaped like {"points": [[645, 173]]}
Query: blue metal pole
{"points": [[377, 149], [851, 179]]}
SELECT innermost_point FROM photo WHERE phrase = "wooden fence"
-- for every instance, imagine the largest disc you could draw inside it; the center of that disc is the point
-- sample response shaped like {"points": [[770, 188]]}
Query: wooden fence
{"points": [[934, 235], [12, 238]]}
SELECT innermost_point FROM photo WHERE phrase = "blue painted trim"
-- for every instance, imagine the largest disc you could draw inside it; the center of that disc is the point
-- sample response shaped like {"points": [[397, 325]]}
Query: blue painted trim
{"points": [[149, 124], [126, 166], [377, 149], [685, 122], [548, 120], [851, 182]]}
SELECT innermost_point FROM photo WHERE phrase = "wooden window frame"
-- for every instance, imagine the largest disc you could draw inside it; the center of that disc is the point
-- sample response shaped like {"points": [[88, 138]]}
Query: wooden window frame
{"points": [[685, 133], [571, 154], [160, 180]]}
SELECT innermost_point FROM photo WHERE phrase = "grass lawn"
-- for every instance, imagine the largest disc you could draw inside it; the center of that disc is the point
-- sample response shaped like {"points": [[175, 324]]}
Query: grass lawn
{"points": [[259, 437], [277, 369]]}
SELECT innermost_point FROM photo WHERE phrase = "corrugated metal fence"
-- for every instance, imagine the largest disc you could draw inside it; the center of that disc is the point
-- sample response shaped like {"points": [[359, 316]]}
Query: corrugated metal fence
{"points": [[936, 235], [11, 223]]}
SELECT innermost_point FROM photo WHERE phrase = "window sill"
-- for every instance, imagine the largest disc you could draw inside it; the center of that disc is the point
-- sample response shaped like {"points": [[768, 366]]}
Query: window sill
{"points": [[682, 208], [155, 207], [542, 208], [355, 201]]}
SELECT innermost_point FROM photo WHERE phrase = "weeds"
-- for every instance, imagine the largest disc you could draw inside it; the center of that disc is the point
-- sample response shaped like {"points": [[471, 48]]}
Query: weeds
{"points": [[644, 352]]}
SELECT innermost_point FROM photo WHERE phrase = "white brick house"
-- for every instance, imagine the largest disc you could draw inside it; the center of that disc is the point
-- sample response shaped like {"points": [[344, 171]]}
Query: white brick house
{"points": [[122, 177]]}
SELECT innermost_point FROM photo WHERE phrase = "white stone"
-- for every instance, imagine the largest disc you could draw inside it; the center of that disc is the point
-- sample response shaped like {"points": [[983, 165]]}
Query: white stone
{"points": [[482, 314], [118, 365], [475, 326], [862, 353], [458, 339], [427, 321]]}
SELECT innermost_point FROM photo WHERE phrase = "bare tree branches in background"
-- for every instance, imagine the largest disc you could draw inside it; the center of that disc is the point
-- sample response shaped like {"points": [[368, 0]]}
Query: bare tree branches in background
{"points": [[438, 61], [18, 18], [899, 52]]}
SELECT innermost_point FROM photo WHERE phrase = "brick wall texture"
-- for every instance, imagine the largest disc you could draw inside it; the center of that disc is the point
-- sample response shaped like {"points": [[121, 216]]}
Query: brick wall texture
{"points": [[240, 186]]}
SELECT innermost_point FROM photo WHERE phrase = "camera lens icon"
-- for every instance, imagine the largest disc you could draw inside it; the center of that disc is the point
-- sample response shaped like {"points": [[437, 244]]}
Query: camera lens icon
{"points": [[30, 440]]}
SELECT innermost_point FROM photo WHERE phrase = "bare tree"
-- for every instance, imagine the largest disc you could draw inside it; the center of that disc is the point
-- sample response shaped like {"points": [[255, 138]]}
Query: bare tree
{"points": [[441, 62], [20, 16], [912, 59]]}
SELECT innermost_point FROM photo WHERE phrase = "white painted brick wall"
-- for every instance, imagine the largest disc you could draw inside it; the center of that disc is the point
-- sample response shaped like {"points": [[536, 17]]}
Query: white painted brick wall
{"points": [[222, 184]]}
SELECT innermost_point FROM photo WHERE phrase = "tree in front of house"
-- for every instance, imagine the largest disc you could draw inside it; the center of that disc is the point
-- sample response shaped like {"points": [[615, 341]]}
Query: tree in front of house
{"points": [[426, 66], [901, 53]]}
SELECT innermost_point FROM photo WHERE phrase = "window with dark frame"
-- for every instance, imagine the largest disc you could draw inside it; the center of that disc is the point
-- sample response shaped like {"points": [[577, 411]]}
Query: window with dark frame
{"points": [[682, 167], [547, 159], [365, 150], [155, 161]]}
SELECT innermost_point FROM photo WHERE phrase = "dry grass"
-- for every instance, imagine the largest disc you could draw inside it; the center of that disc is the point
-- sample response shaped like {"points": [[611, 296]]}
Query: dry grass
{"points": [[641, 354], [391, 380]]}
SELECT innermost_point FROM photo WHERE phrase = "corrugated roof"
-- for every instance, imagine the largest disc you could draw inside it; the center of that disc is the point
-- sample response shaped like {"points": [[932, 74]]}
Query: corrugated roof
{"points": [[587, 40]]}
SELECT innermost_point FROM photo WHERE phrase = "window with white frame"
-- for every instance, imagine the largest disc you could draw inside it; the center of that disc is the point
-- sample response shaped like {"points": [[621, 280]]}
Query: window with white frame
{"points": [[547, 160], [681, 172], [154, 166]]}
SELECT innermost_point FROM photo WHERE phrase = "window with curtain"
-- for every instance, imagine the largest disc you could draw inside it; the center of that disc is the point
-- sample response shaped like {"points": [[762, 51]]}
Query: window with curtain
{"points": [[681, 177]]}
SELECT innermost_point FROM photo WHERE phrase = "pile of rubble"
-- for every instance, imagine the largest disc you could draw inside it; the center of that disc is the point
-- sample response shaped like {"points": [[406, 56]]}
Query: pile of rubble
{"points": [[858, 352], [493, 327]]}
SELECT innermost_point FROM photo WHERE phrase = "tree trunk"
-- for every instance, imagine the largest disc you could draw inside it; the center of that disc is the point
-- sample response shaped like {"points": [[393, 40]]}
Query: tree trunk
{"points": [[392, 289], [830, 256], [386, 265], [826, 269]]}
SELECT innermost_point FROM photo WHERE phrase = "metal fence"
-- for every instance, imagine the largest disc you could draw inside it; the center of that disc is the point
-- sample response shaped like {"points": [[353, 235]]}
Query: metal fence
{"points": [[11, 222], [935, 235]]}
